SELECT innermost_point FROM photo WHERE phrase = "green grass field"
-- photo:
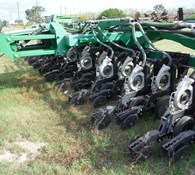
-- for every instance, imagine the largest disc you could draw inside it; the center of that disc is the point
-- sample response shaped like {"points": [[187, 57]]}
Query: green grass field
{"points": [[31, 110]]}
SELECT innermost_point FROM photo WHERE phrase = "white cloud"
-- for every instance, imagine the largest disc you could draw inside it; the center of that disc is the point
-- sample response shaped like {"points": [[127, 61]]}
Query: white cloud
{"points": [[9, 10]]}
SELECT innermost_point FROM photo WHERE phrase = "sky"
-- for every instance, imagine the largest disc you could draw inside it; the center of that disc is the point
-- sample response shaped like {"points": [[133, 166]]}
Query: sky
{"points": [[8, 8]]}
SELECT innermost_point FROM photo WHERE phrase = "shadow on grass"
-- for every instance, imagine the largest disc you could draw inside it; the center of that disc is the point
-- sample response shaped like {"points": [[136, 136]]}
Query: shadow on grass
{"points": [[77, 121], [21, 76], [107, 148], [103, 148]]}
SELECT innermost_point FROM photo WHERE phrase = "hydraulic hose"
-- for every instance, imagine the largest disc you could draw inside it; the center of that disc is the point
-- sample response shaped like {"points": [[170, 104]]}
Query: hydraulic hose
{"points": [[115, 44], [105, 45], [82, 30], [151, 44], [188, 25], [138, 44], [158, 24]]}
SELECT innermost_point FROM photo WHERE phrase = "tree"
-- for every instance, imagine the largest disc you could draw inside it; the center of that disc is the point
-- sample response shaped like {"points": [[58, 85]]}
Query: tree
{"points": [[5, 23], [34, 14], [85, 16], [111, 13], [192, 16], [159, 8], [1, 25]]}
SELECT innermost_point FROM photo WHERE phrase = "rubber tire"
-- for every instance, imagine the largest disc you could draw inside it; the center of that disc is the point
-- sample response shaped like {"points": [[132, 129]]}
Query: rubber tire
{"points": [[185, 123], [129, 122], [99, 101], [78, 87], [180, 154], [44, 69], [76, 77], [106, 86], [51, 76], [95, 115], [161, 106], [37, 65], [140, 100], [102, 121], [32, 60]]}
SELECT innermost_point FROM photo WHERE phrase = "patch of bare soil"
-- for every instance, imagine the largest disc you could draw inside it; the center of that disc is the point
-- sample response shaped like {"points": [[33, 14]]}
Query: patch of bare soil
{"points": [[31, 151]]}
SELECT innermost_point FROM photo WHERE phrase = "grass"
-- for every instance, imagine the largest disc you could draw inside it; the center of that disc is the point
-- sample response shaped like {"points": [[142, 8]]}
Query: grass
{"points": [[30, 109], [13, 28], [168, 45]]}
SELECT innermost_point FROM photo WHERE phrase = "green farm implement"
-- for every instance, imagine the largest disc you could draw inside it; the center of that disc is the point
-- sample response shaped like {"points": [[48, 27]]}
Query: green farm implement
{"points": [[103, 59]]}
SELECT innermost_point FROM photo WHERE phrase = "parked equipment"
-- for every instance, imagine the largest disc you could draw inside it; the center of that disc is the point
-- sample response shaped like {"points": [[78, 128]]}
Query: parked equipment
{"points": [[103, 59]]}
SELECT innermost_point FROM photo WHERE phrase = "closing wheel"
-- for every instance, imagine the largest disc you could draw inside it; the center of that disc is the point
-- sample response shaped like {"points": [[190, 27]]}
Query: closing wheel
{"points": [[107, 86], [32, 60], [99, 101], [161, 106], [145, 154], [51, 76], [180, 154], [44, 69], [76, 76], [79, 98], [78, 86], [185, 123], [62, 86], [133, 119], [76, 100], [102, 121], [95, 115], [129, 121], [37, 64], [75, 94]]}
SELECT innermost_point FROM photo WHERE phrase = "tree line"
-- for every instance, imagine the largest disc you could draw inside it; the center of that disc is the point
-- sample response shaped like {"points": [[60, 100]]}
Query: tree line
{"points": [[35, 14]]}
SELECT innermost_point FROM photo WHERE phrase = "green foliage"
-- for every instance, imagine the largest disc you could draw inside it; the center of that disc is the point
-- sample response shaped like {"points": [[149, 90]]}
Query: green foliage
{"points": [[1, 25], [82, 18], [5, 23], [112, 13], [159, 8], [34, 14], [192, 16], [16, 149], [85, 16]]}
